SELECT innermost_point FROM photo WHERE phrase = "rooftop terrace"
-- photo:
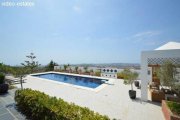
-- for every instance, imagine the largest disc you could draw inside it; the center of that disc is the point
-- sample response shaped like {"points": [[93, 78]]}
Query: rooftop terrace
{"points": [[113, 100]]}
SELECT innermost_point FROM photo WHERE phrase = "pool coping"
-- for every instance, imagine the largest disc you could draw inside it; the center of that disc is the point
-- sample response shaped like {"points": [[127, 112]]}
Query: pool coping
{"points": [[97, 89]]}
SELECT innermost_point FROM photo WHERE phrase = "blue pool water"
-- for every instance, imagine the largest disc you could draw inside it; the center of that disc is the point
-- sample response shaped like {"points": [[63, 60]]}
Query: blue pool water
{"points": [[75, 80]]}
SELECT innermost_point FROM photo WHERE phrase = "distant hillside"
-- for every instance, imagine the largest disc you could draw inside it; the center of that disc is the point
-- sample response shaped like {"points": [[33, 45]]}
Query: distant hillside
{"points": [[116, 65]]}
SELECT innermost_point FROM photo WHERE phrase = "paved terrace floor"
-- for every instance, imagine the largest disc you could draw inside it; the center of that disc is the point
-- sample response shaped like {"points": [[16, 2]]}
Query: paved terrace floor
{"points": [[113, 100], [7, 107]]}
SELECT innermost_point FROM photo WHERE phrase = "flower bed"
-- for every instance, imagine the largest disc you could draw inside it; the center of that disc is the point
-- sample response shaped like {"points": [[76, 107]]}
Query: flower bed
{"points": [[39, 106], [171, 110]]}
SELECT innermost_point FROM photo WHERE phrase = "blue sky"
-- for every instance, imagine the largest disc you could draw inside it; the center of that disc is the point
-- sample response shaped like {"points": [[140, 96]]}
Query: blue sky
{"points": [[87, 31]]}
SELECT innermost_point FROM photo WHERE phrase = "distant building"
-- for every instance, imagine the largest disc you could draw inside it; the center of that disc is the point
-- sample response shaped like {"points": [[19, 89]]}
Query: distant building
{"points": [[109, 72], [59, 67]]}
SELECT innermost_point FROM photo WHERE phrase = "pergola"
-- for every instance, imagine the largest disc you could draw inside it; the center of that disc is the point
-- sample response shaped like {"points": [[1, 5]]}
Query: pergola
{"points": [[154, 58]]}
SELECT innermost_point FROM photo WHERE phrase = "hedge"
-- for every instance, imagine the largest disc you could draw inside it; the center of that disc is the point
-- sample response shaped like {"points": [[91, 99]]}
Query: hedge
{"points": [[39, 106]]}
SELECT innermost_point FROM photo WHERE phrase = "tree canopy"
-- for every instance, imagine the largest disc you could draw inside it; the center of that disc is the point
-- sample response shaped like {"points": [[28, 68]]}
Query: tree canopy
{"points": [[50, 66], [167, 74], [129, 77], [31, 64]]}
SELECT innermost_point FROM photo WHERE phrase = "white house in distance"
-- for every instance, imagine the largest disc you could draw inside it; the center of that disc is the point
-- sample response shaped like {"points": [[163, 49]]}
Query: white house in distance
{"points": [[151, 59], [109, 72]]}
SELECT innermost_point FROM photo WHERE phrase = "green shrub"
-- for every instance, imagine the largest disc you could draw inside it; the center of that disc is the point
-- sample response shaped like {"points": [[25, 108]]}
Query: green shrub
{"points": [[97, 73], [2, 77], [123, 74], [174, 107], [4, 88], [120, 75], [39, 106]]}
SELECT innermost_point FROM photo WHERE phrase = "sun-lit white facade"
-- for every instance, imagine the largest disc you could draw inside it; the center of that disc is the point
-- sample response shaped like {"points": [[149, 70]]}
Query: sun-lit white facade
{"points": [[169, 51]]}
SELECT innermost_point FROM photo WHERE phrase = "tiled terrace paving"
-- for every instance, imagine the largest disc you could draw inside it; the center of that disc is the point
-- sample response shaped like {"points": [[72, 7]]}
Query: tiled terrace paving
{"points": [[113, 100], [7, 107]]}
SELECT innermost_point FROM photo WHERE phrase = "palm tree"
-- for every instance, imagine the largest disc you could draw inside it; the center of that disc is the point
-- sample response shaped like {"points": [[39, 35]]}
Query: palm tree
{"points": [[70, 70], [86, 69], [79, 71], [91, 72], [76, 69], [65, 67]]}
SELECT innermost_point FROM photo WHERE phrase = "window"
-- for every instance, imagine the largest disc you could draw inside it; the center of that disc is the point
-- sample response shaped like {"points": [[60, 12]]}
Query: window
{"points": [[111, 70], [115, 70], [149, 72]]}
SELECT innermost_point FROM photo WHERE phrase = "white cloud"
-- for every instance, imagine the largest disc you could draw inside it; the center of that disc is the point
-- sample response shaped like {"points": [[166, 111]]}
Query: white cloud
{"points": [[77, 9], [147, 34], [147, 38]]}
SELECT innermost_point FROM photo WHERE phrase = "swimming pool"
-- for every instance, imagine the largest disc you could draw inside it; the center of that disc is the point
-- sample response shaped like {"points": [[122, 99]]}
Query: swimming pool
{"points": [[75, 80]]}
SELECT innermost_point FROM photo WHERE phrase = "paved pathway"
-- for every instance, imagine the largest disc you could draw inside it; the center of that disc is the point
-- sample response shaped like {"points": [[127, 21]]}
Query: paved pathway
{"points": [[7, 107]]}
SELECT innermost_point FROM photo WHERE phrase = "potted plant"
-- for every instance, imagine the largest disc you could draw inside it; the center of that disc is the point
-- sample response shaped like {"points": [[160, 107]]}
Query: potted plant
{"points": [[3, 87], [65, 68], [79, 71], [91, 72], [136, 83], [86, 72], [129, 78]]}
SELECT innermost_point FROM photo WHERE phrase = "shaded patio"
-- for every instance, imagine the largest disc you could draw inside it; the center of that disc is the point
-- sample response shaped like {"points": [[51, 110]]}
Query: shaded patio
{"points": [[7, 107], [151, 60]]}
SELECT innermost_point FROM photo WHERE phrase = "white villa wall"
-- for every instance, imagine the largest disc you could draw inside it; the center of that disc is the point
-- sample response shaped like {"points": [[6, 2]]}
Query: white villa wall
{"points": [[57, 67], [144, 66]]}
